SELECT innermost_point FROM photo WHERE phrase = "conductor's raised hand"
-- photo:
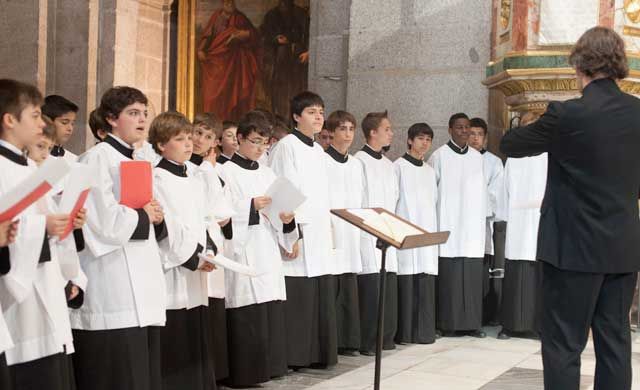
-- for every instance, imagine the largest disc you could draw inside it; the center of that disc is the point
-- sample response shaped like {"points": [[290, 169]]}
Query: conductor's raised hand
{"points": [[261, 202], [56, 224], [80, 219], [286, 218]]}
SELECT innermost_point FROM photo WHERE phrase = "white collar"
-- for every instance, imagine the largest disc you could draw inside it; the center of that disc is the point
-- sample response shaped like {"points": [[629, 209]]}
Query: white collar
{"points": [[11, 147]]}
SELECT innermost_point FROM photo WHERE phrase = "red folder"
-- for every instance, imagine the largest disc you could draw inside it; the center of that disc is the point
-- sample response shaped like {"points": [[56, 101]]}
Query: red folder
{"points": [[25, 202], [74, 213], [136, 188]]}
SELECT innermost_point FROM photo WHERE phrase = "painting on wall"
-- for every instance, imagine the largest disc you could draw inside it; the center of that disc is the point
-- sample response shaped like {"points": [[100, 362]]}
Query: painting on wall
{"points": [[238, 55]]}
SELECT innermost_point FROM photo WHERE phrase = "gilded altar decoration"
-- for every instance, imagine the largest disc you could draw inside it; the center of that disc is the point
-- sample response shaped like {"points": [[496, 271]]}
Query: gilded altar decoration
{"points": [[632, 10], [505, 13]]}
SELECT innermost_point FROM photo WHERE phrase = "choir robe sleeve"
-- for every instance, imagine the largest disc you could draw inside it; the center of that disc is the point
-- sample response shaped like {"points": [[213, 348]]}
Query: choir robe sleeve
{"points": [[434, 161], [110, 225], [180, 247], [502, 209], [495, 185], [17, 284], [218, 205]]}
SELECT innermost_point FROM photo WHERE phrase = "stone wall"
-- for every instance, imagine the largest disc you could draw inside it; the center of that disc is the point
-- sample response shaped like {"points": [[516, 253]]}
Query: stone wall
{"points": [[422, 60]]}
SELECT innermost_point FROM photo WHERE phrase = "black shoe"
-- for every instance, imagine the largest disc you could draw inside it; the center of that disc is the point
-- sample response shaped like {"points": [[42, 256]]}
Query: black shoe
{"points": [[367, 353], [503, 335], [438, 334], [347, 352], [389, 347], [479, 334]]}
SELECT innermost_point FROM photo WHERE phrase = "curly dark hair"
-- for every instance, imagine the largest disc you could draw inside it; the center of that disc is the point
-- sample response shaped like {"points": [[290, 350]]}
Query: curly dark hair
{"points": [[117, 99], [600, 51]]}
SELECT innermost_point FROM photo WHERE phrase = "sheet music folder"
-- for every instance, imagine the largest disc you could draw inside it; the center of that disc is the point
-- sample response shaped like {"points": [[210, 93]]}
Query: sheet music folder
{"points": [[409, 242]]}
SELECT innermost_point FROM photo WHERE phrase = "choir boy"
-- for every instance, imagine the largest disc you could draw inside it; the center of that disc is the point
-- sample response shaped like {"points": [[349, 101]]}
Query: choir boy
{"points": [[207, 128], [185, 337], [257, 331], [417, 268], [493, 262], [310, 307], [97, 126], [525, 180], [35, 332], [345, 191], [63, 113], [381, 190], [116, 330], [228, 141], [462, 210]]}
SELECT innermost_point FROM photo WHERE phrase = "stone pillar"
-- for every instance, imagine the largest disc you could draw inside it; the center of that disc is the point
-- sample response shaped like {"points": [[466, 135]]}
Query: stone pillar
{"points": [[421, 60], [67, 60], [329, 41], [23, 29]]}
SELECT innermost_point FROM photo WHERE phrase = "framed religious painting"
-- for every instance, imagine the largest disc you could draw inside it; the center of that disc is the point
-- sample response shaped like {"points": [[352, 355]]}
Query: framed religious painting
{"points": [[234, 56]]}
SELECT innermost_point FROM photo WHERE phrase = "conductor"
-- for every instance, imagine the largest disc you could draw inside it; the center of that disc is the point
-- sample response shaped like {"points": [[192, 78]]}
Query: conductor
{"points": [[589, 234]]}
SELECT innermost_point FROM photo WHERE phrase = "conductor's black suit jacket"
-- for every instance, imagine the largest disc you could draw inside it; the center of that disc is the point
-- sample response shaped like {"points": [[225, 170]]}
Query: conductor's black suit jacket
{"points": [[589, 217]]}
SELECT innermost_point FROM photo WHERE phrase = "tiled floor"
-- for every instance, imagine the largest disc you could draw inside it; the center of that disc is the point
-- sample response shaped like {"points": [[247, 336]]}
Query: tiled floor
{"points": [[451, 363]]}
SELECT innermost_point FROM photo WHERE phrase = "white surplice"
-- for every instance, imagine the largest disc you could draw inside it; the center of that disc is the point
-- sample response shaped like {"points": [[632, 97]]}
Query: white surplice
{"points": [[417, 204], [462, 200], [525, 181], [126, 280], [254, 245], [381, 190]]}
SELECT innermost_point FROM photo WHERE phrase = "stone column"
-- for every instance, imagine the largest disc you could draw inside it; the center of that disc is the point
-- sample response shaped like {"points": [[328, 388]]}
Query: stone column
{"points": [[329, 43], [421, 60], [68, 58], [23, 29]]}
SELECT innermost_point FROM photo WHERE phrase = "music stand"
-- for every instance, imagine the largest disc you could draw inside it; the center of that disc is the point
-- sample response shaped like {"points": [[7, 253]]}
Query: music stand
{"points": [[383, 243]]}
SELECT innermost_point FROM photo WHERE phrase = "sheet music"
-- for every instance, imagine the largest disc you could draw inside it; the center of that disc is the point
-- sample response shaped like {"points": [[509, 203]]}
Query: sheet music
{"points": [[386, 224], [285, 198], [230, 265]]}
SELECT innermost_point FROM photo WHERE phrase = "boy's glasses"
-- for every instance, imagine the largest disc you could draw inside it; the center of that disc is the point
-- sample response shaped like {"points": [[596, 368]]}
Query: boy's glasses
{"points": [[259, 142]]}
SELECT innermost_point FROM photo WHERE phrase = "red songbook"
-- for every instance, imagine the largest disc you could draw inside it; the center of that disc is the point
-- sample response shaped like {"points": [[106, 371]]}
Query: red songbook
{"points": [[136, 187], [76, 190], [32, 188]]}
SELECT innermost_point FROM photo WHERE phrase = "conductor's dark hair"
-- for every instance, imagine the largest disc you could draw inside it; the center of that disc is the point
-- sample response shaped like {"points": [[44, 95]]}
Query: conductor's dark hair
{"points": [[15, 96], [372, 121], [455, 117], [600, 52], [338, 117], [417, 129], [479, 122], [303, 100], [115, 100], [55, 106], [96, 123], [254, 121]]}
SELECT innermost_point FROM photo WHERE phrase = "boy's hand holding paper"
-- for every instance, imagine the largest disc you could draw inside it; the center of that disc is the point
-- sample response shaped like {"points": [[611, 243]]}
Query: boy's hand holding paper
{"points": [[285, 198]]}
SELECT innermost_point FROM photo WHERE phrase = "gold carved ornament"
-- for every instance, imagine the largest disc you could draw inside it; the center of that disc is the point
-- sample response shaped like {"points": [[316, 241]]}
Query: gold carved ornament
{"points": [[632, 10], [505, 13]]}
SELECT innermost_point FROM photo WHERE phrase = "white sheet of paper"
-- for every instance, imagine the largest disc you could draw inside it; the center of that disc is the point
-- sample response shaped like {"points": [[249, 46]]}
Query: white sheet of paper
{"points": [[51, 172], [228, 264], [364, 213], [285, 198], [81, 178]]}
